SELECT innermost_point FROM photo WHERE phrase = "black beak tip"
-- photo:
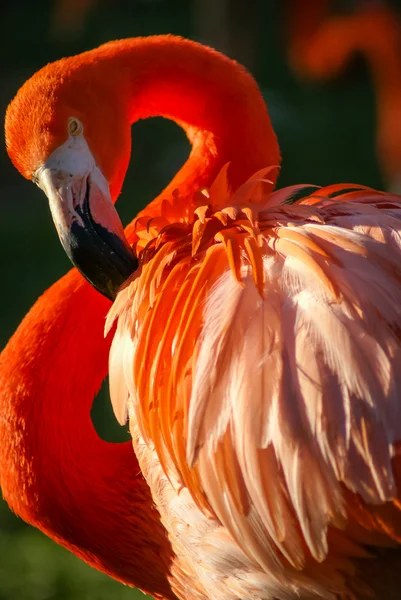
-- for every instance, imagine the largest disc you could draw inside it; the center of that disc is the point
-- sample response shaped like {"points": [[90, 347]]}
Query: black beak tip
{"points": [[101, 257]]}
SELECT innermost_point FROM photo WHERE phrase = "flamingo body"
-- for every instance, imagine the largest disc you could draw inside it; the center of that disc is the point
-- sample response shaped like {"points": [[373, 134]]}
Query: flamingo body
{"points": [[256, 349], [190, 323]]}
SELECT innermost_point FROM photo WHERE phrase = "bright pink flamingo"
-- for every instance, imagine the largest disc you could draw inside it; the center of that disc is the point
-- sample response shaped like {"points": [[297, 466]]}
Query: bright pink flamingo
{"points": [[257, 349]]}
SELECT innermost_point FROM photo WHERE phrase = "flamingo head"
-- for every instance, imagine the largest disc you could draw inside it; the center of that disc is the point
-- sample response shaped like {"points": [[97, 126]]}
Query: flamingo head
{"points": [[64, 133]]}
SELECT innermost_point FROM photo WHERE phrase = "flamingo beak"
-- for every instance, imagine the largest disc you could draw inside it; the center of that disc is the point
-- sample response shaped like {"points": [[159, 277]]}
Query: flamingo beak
{"points": [[87, 223]]}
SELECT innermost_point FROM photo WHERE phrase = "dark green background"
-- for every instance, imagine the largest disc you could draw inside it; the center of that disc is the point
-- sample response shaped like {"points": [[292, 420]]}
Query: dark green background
{"points": [[326, 133]]}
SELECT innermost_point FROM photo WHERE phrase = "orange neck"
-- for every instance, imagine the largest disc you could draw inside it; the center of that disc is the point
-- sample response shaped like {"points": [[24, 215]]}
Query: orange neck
{"points": [[211, 97], [55, 472]]}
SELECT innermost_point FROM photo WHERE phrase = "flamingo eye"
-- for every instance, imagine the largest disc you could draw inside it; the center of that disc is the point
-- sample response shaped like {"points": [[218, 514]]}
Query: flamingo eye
{"points": [[74, 126]]}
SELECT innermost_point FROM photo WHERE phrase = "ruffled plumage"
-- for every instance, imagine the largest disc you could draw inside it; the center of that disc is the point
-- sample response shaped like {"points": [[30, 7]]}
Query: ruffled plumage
{"points": [[259, 347]]}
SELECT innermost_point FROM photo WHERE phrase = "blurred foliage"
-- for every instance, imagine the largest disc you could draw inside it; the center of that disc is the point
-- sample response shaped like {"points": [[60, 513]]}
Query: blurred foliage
{"points": [[326, 133]]}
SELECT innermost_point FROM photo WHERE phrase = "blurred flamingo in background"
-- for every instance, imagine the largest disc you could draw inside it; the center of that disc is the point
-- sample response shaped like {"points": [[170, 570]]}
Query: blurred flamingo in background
{"points": [[322, 45], [303, 18], [256, 354]]}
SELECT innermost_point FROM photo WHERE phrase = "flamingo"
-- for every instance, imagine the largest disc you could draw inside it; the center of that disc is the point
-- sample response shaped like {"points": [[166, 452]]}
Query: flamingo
{"points": [[255, 345], [323, 49]]}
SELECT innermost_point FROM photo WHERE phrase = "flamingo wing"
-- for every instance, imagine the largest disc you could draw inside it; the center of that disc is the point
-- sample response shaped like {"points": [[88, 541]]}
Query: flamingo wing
{"points": [[259, 352]]}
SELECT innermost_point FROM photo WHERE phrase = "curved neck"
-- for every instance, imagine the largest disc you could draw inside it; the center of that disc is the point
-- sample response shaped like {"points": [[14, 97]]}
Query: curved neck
{"points": [[215, 100], [55, 472]]}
